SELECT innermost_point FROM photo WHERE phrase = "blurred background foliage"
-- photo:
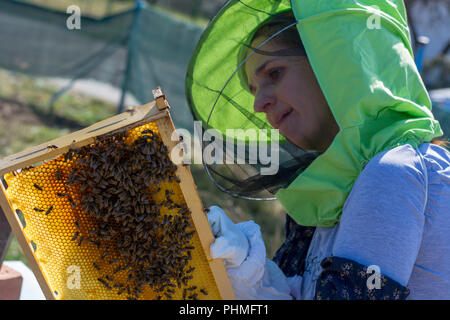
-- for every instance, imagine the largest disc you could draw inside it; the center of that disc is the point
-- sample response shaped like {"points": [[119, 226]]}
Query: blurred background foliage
{"points": [[26, 119]]}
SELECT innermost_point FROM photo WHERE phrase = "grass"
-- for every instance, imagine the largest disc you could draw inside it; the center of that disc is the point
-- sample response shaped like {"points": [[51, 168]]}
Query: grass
{"points": [[15, 252], [28, 135], [35, 93]]}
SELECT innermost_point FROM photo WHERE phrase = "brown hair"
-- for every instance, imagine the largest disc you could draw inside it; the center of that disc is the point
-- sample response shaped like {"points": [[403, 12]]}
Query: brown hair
{"points": [[289, 37]]}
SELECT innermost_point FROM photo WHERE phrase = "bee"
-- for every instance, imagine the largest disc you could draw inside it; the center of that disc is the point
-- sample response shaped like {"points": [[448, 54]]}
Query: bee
{"points": [[68, 155], [81, 240], [183, 211], [58, 175], [190, 270], [96, 266], [106, 284], [168, 192], [38, 210], [190, 234], [49, 210], [61, 195], [109, 278], [204, 291], [131, 110], [75, 236], [37, 187], [192, 288], [147, 131], [184, 293], [193, 296], [167, 295], [73, 204], [161, 288], [52, 147], [76, 223], [121, 290]]}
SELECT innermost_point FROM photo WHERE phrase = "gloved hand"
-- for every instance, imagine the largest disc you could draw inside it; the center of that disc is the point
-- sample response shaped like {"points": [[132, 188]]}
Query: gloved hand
{"points": [[231, 244], [242, 248]]}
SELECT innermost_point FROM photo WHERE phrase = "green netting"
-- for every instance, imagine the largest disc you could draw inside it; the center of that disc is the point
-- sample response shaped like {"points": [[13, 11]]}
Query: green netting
{"points": [[136, 50]]}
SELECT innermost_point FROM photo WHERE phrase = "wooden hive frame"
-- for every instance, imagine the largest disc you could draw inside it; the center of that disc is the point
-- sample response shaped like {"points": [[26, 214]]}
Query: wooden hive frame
{"points": [[156, 111]]}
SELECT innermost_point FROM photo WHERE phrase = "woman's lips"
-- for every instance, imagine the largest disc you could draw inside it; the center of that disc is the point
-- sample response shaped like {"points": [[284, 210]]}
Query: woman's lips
{"points": [[282, 118]]}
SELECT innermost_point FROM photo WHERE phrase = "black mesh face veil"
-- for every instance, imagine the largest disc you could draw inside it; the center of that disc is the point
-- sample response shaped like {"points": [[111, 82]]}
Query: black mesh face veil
{"points": [[246, 163]]}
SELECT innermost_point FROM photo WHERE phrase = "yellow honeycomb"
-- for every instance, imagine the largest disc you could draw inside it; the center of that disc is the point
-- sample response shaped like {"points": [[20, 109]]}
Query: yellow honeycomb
{"points": [[71, 268]]}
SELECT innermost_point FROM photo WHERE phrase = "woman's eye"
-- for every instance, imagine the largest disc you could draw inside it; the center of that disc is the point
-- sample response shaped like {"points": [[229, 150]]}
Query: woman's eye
{"points": [[275, 74]]}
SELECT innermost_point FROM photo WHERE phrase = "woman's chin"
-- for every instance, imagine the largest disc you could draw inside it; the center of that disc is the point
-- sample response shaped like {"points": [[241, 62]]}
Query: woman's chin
{"points": [[295, 141]]}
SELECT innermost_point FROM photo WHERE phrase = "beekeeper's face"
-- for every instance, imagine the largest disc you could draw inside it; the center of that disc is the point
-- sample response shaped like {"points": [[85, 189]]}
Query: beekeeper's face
{"points": [[287, 91]]}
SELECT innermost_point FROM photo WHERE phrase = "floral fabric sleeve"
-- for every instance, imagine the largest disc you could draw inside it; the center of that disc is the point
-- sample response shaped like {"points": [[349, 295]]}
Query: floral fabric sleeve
{"points": [[344, 279], [290, 257]]}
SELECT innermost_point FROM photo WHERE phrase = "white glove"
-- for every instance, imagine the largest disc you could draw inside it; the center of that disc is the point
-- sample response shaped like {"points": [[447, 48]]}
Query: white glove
{"points": [[231, 244], [241, 245]]}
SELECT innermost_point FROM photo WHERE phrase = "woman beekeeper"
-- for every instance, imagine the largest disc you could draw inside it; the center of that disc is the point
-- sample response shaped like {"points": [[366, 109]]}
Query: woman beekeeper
{"points": [[369, 217]]}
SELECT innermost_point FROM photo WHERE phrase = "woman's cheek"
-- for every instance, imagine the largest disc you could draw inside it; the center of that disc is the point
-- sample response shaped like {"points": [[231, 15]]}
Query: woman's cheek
{"points": [[293, 130]]}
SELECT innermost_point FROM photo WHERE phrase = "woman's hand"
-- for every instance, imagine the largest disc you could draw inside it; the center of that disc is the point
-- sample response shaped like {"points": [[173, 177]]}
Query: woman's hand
{"points": [[231, 244], [242, 248]]}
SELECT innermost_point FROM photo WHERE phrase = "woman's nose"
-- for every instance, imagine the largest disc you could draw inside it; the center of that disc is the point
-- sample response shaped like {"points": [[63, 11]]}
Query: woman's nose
{"points": [[263, 101]]}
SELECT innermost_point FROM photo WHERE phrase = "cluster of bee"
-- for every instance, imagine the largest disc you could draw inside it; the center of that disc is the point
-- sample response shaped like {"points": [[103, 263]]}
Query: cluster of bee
{"points": [[114, 180]]}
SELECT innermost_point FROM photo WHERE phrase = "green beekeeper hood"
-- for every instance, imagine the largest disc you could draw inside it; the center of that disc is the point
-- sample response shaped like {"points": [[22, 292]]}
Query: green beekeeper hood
{"points": [[361, 54]]}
